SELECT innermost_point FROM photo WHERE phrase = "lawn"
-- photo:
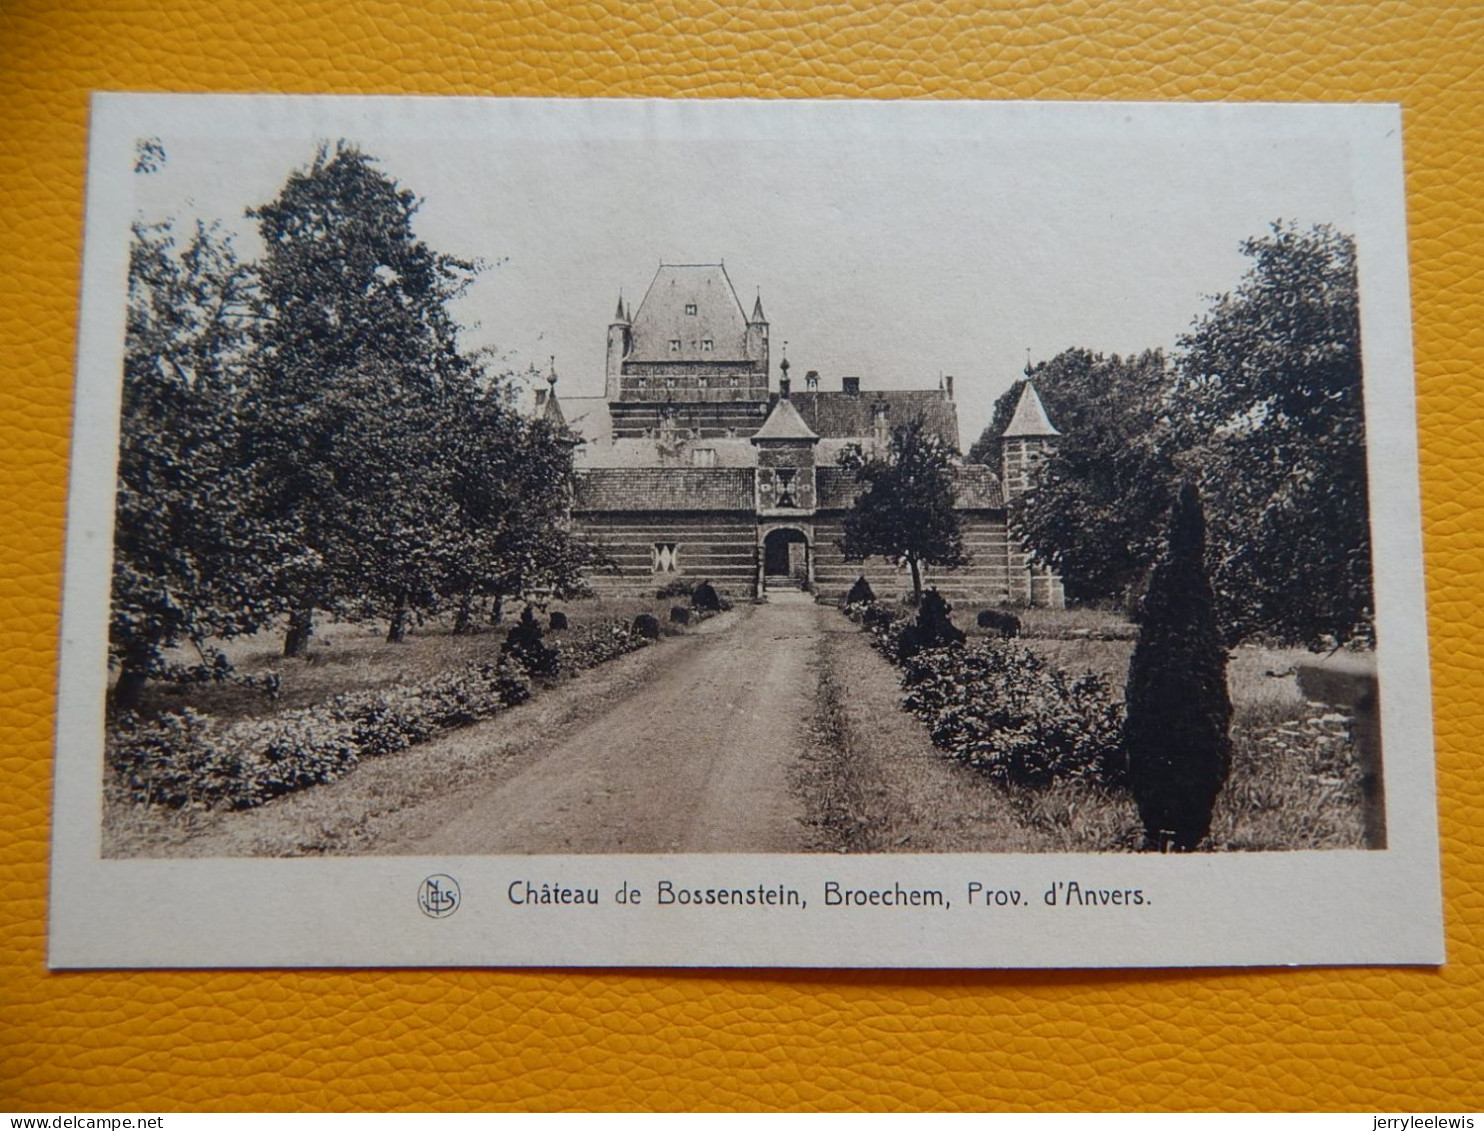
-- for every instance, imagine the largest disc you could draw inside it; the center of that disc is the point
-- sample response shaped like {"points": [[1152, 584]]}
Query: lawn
{"points": [[347, 657], [1295, 780]]}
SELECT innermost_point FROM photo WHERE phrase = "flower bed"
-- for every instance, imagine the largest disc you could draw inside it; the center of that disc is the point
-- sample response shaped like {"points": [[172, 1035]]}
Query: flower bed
{"points": [[184, 758], [1002, 708]]}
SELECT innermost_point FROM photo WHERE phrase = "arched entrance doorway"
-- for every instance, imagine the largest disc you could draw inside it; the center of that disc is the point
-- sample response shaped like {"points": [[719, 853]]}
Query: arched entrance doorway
{"points": [[785, 559]]}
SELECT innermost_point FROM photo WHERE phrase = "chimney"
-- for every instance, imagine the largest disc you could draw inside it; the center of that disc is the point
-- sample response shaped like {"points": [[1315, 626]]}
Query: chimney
{"points": [[948, 387], [851, 386]]}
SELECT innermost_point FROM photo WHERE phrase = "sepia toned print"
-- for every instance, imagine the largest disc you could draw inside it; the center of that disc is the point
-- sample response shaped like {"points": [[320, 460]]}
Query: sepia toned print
{"points": [[586, 493]]}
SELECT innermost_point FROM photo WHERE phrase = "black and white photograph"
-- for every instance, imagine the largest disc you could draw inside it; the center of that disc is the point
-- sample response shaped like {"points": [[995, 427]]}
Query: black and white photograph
{"points": [[743, 533]]}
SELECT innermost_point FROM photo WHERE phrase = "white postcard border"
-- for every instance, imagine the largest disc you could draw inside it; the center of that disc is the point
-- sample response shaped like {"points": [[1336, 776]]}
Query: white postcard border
{"points": [[1202, 909]]}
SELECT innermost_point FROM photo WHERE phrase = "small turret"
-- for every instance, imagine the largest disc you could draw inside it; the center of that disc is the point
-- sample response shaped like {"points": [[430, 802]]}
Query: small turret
{"points": [[619, 339], [1025, 442], [757, 339]]}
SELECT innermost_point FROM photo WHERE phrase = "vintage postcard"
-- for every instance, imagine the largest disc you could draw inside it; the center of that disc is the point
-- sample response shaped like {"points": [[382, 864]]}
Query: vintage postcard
{"points": [[520, 532]]}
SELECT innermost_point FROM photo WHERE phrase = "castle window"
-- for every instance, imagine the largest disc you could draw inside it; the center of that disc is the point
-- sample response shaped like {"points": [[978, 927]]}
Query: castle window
{"points": [[674, 345], [703, 457], [706, 345], [690, 308], [666, 560]]}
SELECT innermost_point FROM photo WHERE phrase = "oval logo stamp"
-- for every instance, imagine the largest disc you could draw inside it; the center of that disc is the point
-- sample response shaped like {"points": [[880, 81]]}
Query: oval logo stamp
{"points": [[439, 896]]}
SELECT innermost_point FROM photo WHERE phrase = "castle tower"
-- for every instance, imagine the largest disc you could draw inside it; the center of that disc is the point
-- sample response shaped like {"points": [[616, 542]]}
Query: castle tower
{"points": [[619, 340], [1027, 440]]}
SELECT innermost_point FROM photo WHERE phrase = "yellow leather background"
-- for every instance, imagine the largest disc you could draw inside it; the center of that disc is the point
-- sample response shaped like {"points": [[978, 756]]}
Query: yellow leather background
{"points": [[1366, 1039]]}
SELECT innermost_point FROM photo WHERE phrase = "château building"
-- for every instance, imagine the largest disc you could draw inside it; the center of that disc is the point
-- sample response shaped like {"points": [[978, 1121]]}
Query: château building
{"points": [[693, 465]]}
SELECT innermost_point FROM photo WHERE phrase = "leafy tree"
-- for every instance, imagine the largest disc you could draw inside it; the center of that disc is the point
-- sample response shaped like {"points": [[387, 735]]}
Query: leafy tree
{"points": [[510, 485], [905, 514], [1176, 733], [1263, 409], [359, 355], [1101, 495], [1269, 388], [188, 564]]}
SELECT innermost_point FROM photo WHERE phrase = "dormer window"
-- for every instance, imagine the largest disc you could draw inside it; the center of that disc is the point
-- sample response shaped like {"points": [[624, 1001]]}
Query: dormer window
{"points": [[706, 345], [690, 308], [674, 345]]}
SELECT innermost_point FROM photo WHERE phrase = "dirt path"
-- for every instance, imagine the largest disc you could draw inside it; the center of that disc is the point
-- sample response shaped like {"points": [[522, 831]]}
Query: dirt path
{"points": [[697, 759], [691, 746]]}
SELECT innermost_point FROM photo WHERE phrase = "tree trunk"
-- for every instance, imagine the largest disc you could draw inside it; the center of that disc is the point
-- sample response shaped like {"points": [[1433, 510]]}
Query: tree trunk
{"points": [[301, 628], [129, 689], [497, 609], [916, 583], [396, 633], [463, 623]]}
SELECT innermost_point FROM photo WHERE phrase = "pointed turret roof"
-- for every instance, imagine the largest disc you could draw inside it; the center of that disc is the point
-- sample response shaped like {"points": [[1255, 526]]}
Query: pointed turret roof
{"points": [[551, 411], [1030, 417], [757, 309], [619, 315], [785, 423]]}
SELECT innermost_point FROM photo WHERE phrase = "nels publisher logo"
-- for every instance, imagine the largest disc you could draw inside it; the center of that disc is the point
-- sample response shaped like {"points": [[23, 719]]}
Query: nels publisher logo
{"points": [[438, 896]]}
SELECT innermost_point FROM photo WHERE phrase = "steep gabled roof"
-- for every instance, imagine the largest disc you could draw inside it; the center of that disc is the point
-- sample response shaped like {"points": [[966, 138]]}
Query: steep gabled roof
{"points": [[1030, 417], [785, 423], [842, 416], [662, 318], [639, 489]]}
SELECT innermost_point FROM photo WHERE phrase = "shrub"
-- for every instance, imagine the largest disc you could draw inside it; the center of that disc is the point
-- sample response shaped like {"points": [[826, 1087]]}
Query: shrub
{"points": [[598, 644], [861, 592], [524, 644], [933, 628], [1179, 710], [185, 759], [672, 589], [647, 625], [1007, 711], [1007, 625], [679, 614], [705, 598], [559, 621]]}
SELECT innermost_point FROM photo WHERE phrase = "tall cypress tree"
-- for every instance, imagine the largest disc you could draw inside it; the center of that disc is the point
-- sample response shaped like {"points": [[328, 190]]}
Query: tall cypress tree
{"points": [[1179, 711]]}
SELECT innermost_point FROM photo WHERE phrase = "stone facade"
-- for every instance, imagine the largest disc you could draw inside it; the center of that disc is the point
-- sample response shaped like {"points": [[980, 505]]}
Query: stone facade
{"points": [[692, 467]]}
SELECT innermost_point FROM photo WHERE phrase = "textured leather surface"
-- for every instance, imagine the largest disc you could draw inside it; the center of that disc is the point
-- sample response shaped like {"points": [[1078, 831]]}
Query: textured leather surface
{"points": [[1366, 1039]]}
